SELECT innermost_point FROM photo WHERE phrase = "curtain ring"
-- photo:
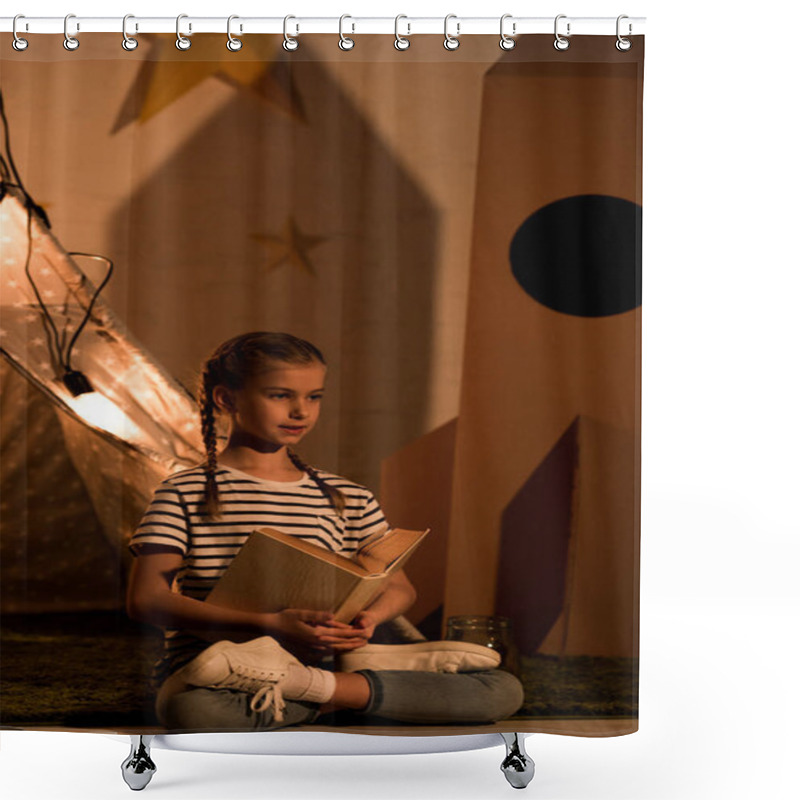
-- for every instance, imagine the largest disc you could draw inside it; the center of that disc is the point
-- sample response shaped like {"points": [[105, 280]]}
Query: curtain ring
{"points": [[128, 42], [18, 43], [70, 42], [560, 42], [233, 44], [182, 43], [506, 42], [451, 42], [623, 44], [289, 42], [345, 42], [400, 42]]}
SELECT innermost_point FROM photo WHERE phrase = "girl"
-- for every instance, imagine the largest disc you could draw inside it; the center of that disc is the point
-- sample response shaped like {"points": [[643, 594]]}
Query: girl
{"points": [[271, 386]]}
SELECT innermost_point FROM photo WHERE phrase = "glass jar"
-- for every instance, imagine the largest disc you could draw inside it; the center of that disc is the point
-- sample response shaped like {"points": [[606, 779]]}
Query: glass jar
{"points": [[494, 632]]}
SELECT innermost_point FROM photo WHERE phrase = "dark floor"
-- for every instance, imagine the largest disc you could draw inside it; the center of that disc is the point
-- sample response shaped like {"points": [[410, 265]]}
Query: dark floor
{"points": [[90, 670]]}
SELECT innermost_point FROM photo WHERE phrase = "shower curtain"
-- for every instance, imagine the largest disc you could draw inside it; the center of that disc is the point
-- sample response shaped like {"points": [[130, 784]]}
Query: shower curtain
{"points": [[458, 231]]}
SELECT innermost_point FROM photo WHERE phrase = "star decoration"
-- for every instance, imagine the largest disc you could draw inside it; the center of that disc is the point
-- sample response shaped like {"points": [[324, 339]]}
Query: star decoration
{"points": [[168, 74], [291, 245]]}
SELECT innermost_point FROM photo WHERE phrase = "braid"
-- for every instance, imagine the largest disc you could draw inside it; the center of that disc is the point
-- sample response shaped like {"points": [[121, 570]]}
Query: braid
{"points": [[334, 495], [211, 492]]}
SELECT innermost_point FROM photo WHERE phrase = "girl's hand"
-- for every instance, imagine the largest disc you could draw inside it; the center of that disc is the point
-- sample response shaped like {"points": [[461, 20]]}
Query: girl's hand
{"points": [[338, 636], [318, 630], [300, 624], [366, 622]]}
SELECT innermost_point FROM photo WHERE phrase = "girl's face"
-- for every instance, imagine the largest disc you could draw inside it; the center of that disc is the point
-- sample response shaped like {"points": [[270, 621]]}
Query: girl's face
{"points": [[280, 406]]}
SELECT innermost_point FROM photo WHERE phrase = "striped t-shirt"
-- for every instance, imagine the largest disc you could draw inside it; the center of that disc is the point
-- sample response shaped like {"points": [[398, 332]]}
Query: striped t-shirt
{"points": [[299, 508]]}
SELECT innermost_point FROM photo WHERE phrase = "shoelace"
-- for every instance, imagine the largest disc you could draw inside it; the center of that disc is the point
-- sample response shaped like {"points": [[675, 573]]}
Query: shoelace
{"points": [[271, 693], [264, 684]]}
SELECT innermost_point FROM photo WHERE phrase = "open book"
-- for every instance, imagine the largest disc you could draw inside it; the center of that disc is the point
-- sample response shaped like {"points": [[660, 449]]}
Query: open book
{"points": [[275, 570]]}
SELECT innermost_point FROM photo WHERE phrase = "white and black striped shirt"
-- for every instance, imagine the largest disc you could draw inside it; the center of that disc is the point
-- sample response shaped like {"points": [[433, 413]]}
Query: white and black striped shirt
{"points": [[299, 508]]}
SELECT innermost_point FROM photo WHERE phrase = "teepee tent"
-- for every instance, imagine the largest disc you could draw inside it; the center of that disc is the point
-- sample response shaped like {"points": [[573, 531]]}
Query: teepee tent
{"points": [[78, 469]]}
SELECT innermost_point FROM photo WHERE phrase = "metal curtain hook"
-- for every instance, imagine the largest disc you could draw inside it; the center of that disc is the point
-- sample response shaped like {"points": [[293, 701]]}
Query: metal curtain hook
{"points": [[182, 43], [400, 42], [18, 43], [128, 42], [451, 42], [345, 42], [289, 42], [70, 42], [622, 43], [506, 42], [560, 43], [233, 44]]}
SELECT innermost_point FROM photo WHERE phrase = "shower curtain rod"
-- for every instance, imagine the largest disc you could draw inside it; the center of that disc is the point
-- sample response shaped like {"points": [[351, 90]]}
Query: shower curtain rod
{"points": [[403, 25]]}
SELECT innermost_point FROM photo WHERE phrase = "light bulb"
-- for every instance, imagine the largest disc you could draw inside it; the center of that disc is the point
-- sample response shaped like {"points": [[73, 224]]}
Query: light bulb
{"points": [[99, 411]]}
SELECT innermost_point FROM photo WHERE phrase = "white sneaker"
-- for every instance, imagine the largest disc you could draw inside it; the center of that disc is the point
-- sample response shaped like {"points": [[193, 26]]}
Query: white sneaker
{"points": [[257, 666], [436, 656]]}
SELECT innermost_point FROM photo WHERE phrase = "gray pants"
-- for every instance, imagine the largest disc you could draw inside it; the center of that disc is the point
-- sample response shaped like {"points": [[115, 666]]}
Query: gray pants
{"points": [[404, 695]]}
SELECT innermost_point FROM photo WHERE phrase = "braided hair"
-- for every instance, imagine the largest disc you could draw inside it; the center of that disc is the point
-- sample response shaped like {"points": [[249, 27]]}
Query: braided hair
{"points": [[230, 365]]}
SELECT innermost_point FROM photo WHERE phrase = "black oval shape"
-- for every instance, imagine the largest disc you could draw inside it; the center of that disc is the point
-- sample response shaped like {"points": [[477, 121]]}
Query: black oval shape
{"points": [[581, 255]]}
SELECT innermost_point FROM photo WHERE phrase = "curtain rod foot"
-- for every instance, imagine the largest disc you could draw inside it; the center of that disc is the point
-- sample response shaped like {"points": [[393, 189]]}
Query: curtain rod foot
{"points": [[517, 766], [138, 768]]}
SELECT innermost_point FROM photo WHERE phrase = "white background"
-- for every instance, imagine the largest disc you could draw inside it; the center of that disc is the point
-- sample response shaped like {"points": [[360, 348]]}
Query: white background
{"points": [[719, 602]]}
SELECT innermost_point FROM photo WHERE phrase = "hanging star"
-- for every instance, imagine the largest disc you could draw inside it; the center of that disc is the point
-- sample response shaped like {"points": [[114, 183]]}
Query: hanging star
{"points": [[292, 245], [168, 74]]}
